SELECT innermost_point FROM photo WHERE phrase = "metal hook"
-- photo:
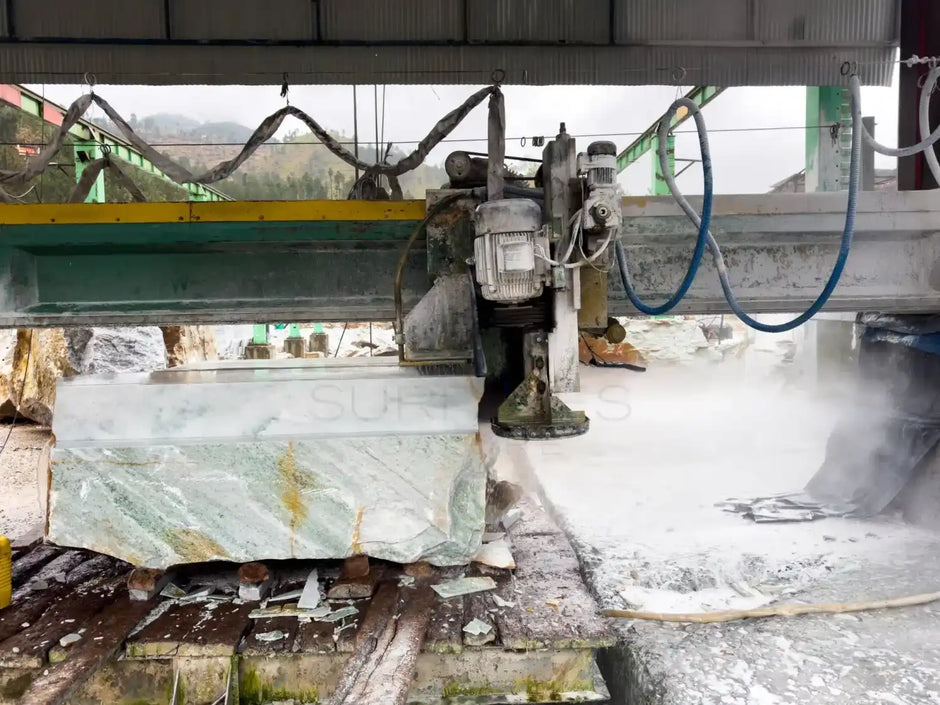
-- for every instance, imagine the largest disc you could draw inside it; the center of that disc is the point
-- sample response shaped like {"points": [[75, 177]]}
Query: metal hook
{"points": [[522, 141], [498, 76], [89, 79], [678, 73], [285, 89]]}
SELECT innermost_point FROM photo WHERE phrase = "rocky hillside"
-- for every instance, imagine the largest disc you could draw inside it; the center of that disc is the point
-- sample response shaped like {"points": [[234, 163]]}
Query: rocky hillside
{"points": [[297, 167]]}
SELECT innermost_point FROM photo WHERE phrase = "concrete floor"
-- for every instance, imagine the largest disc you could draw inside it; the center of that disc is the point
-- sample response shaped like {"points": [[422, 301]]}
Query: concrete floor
{"points": [[637, 497], [21, 499]]}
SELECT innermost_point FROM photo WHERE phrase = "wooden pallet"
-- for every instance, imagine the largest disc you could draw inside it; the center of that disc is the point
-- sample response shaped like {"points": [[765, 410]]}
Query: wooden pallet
{"points": [[142, 652]]}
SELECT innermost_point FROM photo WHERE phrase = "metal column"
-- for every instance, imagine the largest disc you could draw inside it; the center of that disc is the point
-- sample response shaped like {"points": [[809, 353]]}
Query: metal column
{"points": [[920, 34], [828, 148]]}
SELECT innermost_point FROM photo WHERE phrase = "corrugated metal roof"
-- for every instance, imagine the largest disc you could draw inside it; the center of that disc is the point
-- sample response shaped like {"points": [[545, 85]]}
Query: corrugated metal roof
{"points": [[392, 20], [720, 42], [556, 21], [215, 19], [46, 19]]}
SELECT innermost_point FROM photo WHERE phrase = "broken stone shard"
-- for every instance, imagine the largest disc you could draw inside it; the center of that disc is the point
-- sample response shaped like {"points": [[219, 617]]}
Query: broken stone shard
{"points": [[69, 639], [276, 635], [477, 627], [327, 461], [338, 614], [310, 597], [463, 586], [286, 596], [496, 554]]}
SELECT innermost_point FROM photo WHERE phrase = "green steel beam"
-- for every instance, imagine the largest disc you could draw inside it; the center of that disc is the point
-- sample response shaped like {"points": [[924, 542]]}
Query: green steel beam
{"points": [[90, 151], [62, 264], [659, 186], [700, 95]]}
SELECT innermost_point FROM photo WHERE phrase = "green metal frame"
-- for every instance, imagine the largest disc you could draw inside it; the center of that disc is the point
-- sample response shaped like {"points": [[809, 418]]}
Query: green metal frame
{"points": [[90, 137], [88, 151], [648, 141], [113, 273]]}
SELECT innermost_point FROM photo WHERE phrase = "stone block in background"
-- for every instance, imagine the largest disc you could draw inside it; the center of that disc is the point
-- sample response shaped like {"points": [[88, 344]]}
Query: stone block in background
{"points": [[260, 460], [96, 350], [188, 344], [7, 349], [31, 389], [230, 341], [54, 353]]}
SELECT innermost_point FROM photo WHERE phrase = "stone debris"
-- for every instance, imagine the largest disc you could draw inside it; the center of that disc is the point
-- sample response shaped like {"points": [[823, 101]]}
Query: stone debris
{"points": [[339, 614], [70, 639], [501, 497], [477, 627], [500, 602], [593, 350], [490, 536], [463, 586], [276, 635], [196, 595], [477, 633], [511, 517], [173, 591], [286, 596], [310, 596], [406, 581], [144, 583], [496, 554], [289, 611]]}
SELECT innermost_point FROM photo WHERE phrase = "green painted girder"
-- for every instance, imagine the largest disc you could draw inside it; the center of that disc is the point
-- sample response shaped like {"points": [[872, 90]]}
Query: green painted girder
{"points": [[224, 262], [700, 95]]}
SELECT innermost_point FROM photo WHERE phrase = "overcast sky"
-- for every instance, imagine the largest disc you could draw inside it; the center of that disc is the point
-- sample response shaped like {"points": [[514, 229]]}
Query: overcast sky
{"points": [[744, 162]]}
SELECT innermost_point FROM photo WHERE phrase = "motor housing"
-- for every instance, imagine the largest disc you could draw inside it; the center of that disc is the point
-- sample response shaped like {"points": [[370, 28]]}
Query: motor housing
{"points": [[510, 250]]}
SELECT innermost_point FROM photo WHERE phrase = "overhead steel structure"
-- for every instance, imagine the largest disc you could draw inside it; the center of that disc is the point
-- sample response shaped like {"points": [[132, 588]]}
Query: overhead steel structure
{"points": [[539, 42]]}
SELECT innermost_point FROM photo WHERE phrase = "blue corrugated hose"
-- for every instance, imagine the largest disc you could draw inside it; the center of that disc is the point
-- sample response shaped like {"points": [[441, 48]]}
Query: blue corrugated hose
{"points": [[703, 222], [848, 231]]}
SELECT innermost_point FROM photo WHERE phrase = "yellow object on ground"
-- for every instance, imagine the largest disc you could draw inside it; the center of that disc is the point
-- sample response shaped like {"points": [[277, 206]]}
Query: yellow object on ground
{"points": [[6, 572]]}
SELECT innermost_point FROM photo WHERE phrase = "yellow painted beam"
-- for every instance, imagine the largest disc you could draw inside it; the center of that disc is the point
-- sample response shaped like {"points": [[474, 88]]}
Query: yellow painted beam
{"points": [[92, 213], [220, 212]]}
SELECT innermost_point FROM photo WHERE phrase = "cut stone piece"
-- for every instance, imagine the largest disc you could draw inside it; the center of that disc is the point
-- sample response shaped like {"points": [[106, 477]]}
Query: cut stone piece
{"points": [[355, 581], [246, 461], [144, 583], [310, 596], [254, 581]]}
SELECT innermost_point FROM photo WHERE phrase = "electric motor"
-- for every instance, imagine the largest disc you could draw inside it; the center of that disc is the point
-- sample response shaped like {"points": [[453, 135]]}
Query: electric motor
{"points": [[602, 200], [509, 268]]}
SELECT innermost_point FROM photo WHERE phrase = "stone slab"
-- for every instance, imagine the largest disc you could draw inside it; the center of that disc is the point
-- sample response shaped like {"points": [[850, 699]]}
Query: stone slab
{"points": [[255, 462]]}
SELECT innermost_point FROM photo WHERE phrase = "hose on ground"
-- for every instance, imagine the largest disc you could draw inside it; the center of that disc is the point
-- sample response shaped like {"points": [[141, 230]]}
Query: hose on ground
{"points": [[703, 223], [775, 610]]}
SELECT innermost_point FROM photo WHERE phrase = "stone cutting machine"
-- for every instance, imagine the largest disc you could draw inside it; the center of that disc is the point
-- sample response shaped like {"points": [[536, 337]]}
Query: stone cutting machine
{"points": [[318, 458]]}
